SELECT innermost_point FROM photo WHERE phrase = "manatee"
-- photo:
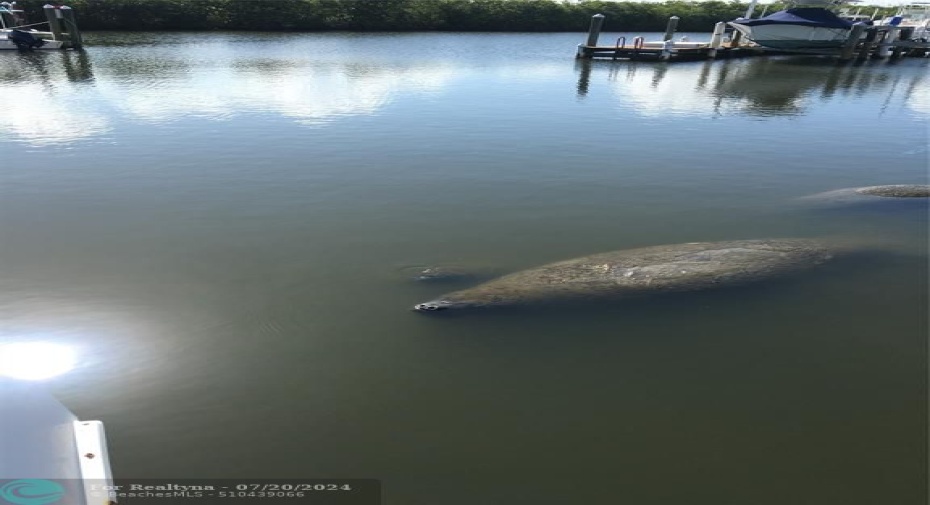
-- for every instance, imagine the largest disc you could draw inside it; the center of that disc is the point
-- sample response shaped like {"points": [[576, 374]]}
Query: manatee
{"points": [[871, 194], [636, 272]]}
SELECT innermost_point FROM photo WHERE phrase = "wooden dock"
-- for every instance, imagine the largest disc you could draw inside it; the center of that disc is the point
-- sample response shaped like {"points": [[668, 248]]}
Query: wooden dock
{"points": [[660, 51], [864, 42], [664, 50]]}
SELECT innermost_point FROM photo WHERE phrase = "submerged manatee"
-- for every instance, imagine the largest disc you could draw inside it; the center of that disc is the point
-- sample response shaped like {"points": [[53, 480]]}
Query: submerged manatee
{"points": [[636, 272], [870, 194]]}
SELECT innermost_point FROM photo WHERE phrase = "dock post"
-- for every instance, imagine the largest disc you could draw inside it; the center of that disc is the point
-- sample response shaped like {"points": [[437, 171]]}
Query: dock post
{"points": [[54, 20], [671, 27], [594, 31], [667, 49], [735, 38], [867, 45], [884, 49], [716, 39], [899, 49], [851, 41], [74, 33]]}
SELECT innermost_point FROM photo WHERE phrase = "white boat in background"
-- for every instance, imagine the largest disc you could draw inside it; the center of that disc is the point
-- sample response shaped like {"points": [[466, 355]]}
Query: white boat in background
{"points": [[913, 19], [797, 28], [16, 34]]}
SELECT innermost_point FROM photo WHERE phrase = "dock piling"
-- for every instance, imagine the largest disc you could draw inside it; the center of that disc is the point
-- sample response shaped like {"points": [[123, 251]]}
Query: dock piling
{"points": [[670, 28], [667, 48], [898, 51], [716, 39], [852, 41], [74, 33], [594, 31], [735, 39], [866, 48], [885, 47], [586, 50], [53, 16]]}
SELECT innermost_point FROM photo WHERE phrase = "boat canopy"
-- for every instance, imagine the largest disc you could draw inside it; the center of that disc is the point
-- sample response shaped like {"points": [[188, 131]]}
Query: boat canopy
{"points": [[805, 16]]}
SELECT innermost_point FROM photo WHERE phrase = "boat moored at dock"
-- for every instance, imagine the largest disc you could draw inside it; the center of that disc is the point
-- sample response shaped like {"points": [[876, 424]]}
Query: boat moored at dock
{"points": [[17, 34], [802, 28], [913, 20]]}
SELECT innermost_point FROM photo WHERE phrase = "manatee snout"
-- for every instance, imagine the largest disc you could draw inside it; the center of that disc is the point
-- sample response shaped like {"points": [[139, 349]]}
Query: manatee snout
{"points": [[441, 304], [429, 307], [433, 306]]}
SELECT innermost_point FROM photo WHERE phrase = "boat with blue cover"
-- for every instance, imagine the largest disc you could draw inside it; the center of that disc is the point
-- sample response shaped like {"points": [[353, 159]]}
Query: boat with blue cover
{"points": [[798, 28]]}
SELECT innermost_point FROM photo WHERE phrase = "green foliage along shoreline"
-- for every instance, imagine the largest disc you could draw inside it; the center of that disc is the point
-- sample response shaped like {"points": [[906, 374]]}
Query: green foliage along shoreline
{"points": [[391, 15]]}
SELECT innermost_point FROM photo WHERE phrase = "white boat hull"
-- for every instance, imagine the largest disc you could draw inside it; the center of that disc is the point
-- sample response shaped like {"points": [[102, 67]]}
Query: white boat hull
{"points": [[788, 37], [49, 44], [914, 17], [918, 31], [8, 44]]}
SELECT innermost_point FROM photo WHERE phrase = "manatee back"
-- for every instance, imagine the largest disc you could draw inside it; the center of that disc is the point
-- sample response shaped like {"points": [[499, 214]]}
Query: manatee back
{"points": [[635, 272], [897, 191]]}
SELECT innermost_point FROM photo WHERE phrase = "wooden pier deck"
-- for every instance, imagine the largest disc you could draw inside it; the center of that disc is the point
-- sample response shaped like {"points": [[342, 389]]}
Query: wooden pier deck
{"points": [[676, 51]]}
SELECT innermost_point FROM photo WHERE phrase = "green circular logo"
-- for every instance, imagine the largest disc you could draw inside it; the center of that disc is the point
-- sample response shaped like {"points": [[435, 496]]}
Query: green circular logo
{"points": [[32, 492]]}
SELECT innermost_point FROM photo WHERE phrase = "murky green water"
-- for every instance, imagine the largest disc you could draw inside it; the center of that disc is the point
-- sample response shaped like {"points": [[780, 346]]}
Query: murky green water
{"points": [[220, 223]]}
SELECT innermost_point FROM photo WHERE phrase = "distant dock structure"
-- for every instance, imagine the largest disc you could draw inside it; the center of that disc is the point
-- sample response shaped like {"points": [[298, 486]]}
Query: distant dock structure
{"points": [[17, 34], [863, 42], [666, 49]]}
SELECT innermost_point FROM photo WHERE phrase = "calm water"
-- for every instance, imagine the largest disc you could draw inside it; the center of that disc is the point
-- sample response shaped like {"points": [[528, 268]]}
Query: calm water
{"points": [[220, 225]]}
